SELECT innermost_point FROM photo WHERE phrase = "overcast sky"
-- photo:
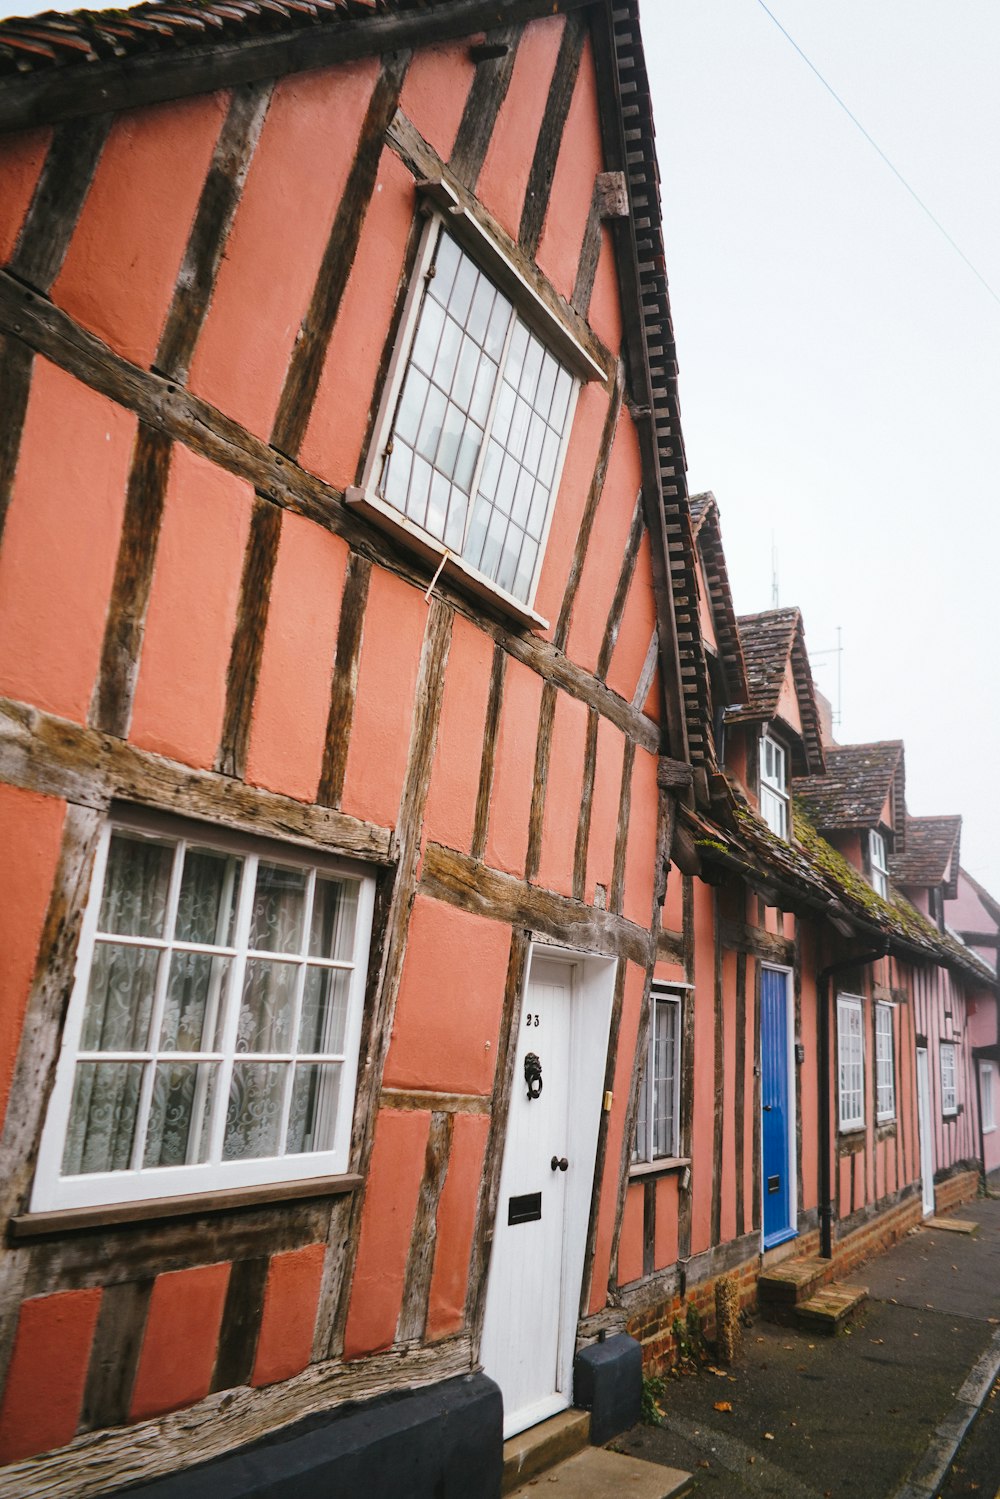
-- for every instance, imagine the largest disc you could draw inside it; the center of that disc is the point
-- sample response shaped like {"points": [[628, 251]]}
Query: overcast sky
{"points": [[839, 363]]}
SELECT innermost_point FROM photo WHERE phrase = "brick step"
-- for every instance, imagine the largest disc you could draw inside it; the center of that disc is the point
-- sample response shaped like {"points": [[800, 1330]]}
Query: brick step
{"points": [[831, 1308], [540, 1447], [792, 1281]]}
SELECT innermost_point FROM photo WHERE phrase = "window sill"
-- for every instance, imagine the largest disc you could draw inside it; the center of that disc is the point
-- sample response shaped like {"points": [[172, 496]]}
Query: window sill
{"points": [[402, 529], [66, 1220], [659, 1168]]}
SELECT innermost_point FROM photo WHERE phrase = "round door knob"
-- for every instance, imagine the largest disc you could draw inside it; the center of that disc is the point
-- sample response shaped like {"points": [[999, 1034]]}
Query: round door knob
{"points": [[559, 1164]]}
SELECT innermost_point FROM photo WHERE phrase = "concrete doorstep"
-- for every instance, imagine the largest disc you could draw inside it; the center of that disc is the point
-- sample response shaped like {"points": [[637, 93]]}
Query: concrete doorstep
{"points": [[596, 1473]]}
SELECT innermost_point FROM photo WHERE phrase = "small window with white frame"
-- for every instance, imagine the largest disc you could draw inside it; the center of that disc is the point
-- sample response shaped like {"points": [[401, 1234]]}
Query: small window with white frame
{"points": [[879, 864], [949, 1078], [212, 1035], [885, 1064], [475, 421], [850, 1062], [774, 785], [987, 1102], [657, 1132]]}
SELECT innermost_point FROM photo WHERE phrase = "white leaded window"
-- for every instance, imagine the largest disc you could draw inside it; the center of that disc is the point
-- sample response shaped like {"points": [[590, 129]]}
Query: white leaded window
{"points": [[774, 785], [879, 864], [885, 1064], [212, 1035], [986, 1099], [657, 1133], [949, 1079], [475, 421], [850, 1062]]}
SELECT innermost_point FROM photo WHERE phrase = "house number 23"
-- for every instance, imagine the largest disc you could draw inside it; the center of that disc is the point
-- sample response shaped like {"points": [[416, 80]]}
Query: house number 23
{"points": [[532, 1020]]}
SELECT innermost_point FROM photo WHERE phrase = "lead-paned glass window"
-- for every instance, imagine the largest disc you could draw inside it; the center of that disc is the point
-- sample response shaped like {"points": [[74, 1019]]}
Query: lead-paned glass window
{"points": [[657, 1132], [213, 1030], [885, 1064], [774, 785], [949, 1084], [850, 1062], [478, 432], [879, 864], [987, 1101]]}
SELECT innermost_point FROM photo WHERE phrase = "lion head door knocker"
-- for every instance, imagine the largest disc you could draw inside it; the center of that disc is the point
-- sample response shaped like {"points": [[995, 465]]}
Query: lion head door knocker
{"points": [[533, 1075]]}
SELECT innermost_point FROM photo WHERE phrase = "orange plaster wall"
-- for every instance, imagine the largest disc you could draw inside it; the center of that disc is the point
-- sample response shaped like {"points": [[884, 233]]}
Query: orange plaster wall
{"points": [[180, 695], [21, 159], [630, 1242], [180, 1342], [291, 1296], [603, 561], [631, 1007], [637, 628], [604, 810], [33, 826], [582, 453], [47, 1373], [563, 789], [339, 420], [451, 799], [640, 854], [788, 702], [514, 769], [394, 1178], [447, 1021], [731, 1124], [672, 918], [119, 274], [504, 177], [395, 620], [580, 160], [290, 711], [60, 542], [455, 1221], [434, 93], [666, 1235], [279, 234], [703, 1142], [605, 313]]}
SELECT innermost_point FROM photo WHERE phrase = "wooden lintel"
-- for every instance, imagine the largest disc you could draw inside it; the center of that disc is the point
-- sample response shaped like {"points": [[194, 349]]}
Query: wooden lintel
{"points": [[673, 775], [40, 752], [412, 1100], [738, 937], [981, 939], [472, 885]]}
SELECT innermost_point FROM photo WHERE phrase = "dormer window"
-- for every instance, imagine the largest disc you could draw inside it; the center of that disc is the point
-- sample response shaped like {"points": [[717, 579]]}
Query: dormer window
{"points": [[774, 785], [879, 864]]}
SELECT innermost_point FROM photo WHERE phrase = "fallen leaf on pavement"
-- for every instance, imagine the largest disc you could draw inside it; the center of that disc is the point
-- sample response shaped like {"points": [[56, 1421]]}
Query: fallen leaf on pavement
{"points": [[722, 1405], [704, 1463], [720, 1372], [769, 1436], [876, 1340]]}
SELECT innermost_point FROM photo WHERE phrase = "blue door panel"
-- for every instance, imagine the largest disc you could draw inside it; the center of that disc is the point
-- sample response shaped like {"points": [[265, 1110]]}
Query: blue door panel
{"points": [[775, 1096]]}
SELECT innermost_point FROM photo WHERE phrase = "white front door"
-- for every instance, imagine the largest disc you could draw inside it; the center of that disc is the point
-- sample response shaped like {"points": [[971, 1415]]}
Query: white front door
{"points": [[536, 1267], [924, 1131]]}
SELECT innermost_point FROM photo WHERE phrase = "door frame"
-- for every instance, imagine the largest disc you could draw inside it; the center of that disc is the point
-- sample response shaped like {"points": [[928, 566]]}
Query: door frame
{"points": [[591, 1004], [791, 1132]]}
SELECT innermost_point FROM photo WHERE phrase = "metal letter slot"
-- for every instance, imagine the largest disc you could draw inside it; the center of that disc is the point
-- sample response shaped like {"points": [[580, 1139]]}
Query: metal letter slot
{"points": [[526, 1209], [774, 1184]]}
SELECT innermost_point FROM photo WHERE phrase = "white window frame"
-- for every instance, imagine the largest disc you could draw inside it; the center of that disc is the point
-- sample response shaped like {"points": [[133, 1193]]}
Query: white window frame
{"points": [[987, 1097], [949, 1077], [645, 1152], [885, 1063], [52, 1190], [445, 211], [879, 862], [774, 800], [850, 1062]]}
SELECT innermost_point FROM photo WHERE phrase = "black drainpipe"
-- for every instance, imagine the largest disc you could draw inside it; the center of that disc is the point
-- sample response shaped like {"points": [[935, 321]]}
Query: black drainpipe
{"points": [[825, 1143]]}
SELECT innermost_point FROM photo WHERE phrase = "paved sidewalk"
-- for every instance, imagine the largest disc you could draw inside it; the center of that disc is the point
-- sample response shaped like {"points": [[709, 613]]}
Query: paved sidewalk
{"points": [[876, 1413]]}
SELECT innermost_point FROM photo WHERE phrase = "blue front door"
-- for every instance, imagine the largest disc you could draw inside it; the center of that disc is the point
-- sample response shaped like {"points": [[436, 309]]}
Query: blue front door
{"points": [[776, 1097]]}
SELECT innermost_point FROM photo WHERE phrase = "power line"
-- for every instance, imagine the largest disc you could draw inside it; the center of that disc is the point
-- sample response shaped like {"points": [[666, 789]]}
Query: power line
{"points": [[877, 148]]}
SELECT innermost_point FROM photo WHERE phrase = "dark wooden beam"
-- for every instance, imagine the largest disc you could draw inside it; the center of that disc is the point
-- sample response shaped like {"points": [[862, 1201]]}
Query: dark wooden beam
{"points": [[550, 136]]}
